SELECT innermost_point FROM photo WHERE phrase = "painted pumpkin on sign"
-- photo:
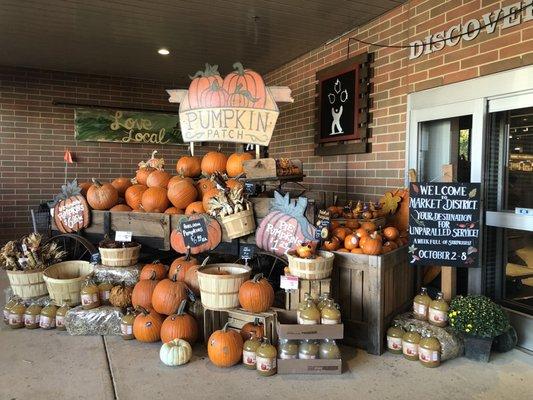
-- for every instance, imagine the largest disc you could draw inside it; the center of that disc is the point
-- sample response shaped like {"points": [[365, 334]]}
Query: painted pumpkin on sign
{"points": [[202, 81], [246, 88]]}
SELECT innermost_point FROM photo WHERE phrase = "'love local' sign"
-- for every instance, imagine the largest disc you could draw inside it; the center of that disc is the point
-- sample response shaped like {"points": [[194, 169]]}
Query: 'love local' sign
{"points": [[444, 224]]}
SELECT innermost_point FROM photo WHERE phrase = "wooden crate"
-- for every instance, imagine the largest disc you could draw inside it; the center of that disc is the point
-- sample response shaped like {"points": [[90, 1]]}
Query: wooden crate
{"points": [[314, 288], [371, 290], [214, 320]]}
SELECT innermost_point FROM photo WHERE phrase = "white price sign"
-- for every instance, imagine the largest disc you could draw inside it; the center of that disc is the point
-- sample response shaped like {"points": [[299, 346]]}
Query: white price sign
{"points": [[123, 236], [289, 282]]}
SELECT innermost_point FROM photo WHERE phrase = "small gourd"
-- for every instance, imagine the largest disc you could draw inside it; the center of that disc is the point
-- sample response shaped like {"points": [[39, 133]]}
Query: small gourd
{"points": [[265, 357], [176, 352], [16, 315], [126, 325], [7, 309], [308, 349], [47, 319], [438, 311], [310, 314], [330, 314], [421, 305], [60, 316], [104, 291], [429, 350], [32, 315], [249, 352], [328, 349], [394, 339], [89, 294], [288, 349], [410, 341]]}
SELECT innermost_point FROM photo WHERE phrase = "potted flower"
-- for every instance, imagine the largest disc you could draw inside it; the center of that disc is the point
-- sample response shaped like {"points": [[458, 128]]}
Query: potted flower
{"points": [[479, 320]]}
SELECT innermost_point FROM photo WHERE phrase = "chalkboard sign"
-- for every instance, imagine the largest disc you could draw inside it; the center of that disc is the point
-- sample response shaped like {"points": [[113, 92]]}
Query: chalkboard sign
{"points": [[194, 232], [444, 224], [247, 252], [95, 258]]}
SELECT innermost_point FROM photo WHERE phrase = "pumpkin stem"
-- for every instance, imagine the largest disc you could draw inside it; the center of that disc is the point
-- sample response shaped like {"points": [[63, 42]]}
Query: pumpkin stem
{"points": [[153, 154], [96, 182], [257, 277], [181, 308], [196, 75], [239, 69], [215, 86], [256, 322], [174, 277], [225, 328], [143, 310], [153, 276]]}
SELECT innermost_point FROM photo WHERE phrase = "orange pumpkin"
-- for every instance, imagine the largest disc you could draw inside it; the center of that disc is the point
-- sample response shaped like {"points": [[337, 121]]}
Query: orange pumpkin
{"points": [[120, 208], [233, 183], [158, 178], [212, 162], [214, 236], [182, 194], [343, 250], [84, 186], [234, 165], [173, 210], [176, 179], [121, 184], [195, 208], [133, 195], [361, 232], [102, 196], [256, 295], [352, 224], [142, 174], [372, 244], [142, 292], [180, 325], [155, 199], [391, 233], [357, 250], [191, 278], [224, 347], [189, 166], [252, 330], [157, 268], [246, 87], [208, 196], [333, 244], [180, 266], [147, 326], [168, 295], [341, 233], [202, 81], [204, 185], [369, 226], [351, 241]]}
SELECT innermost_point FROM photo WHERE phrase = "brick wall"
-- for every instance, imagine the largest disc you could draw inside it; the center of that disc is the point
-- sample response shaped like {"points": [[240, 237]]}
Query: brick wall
{"points": [[367, 176], [34, 135]]}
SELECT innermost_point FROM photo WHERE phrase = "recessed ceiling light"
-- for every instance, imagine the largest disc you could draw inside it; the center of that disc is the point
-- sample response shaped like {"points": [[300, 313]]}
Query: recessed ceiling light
{"points": [[163, 52]]}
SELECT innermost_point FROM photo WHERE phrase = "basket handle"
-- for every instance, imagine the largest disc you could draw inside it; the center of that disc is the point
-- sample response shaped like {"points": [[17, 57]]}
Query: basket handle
{"points": [[204, 263]]}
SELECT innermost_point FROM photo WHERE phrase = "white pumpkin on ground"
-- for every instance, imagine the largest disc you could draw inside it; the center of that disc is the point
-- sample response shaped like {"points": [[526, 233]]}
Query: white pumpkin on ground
{"points": [[175, 352]]}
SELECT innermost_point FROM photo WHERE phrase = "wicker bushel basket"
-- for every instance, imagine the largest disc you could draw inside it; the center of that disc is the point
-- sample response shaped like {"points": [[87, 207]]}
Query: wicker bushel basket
{"points": [[64, 281], [26, 284], [121, 257], [239, 224], [220, 284], [311, 268]]}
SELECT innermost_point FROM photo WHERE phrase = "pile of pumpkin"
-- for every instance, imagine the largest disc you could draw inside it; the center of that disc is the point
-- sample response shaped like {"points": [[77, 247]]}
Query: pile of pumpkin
{"points": [[155, 190], [364, 238], [163, 291]]}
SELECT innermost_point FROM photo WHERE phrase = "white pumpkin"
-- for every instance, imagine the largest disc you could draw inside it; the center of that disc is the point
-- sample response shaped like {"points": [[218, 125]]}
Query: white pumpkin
{"points": [[175, 352]]}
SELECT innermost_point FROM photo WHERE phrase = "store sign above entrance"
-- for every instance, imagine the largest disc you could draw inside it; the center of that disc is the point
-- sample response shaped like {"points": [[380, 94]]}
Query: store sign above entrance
{"points": [[238, 108], [509, 16]]}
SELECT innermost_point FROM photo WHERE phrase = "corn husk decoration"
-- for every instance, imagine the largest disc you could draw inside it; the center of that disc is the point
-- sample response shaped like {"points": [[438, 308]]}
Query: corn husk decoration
{"points": [[29, 253], [228, 201]]}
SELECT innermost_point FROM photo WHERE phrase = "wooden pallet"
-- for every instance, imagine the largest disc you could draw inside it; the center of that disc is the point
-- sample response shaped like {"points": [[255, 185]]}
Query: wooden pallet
{"points": [[236, 318], [315, 288]]}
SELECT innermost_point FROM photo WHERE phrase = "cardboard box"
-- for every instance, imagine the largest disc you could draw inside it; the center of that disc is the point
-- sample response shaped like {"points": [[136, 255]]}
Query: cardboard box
{"points": [[288, 328], [322, 367]]}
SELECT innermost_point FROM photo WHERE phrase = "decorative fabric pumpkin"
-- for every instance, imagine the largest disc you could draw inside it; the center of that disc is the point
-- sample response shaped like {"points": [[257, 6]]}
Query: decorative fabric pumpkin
{"points": [[176, 352], [256, 295], [158, 178], [102, 197], [214, 235], [133, 195], [180, 325], [155, 199], [121, 184], [168, 295], [252, 330], [201, 81], [120, 208], [391, 233], [204, 185], [147, 325], [224, 347], [246, 87], [233, 183], [189, 166], [208, 196], [120, 296], [176, 179], [84, 186], [182, 194], [196, 207], [156, 267], [173, 210], [180, 266], [142, 174], [372, 244], [142, 292], [234, 165], [214, 96], [351, 242], [212, 162]]}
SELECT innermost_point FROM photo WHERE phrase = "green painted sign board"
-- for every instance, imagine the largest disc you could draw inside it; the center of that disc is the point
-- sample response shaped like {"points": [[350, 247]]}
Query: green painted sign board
{"points": [[123, 126]]}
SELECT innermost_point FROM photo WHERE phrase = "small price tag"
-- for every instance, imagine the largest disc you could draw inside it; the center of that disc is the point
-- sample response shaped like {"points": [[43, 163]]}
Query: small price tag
{"points": [[123, 236], [23, 261], [247, 252], [24, 248], [249, 188], [52, 212], [288, 282], [194, 232], [95, 258]]}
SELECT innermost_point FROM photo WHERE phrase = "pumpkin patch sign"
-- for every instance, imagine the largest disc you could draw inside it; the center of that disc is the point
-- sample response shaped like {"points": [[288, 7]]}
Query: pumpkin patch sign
{"points": [[238, 108], [285, 226]]}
